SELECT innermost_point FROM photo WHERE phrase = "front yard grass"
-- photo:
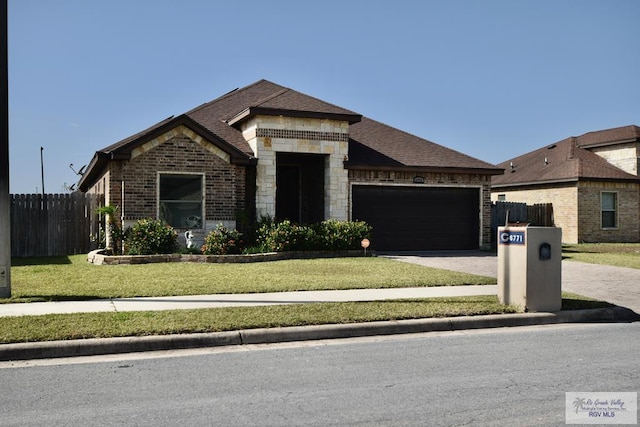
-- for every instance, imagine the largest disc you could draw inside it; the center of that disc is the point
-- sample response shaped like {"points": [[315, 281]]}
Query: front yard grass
{"points": [[616, 254], [72, 278]]}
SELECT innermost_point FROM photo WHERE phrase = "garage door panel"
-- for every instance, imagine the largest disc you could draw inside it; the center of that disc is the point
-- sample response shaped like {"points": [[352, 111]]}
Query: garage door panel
{"points": [[419, 218]]}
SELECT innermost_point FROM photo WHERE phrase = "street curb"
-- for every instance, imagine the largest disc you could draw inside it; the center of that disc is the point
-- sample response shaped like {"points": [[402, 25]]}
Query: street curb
{"points": [[102, 346]]}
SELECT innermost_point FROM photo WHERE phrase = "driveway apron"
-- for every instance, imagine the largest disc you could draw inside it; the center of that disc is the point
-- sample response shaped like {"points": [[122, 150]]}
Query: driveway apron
{"points": [[617, 285]]}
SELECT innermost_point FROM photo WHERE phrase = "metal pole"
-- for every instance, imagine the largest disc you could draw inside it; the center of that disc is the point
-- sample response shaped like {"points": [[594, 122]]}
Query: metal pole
{"points": [[5, 199]]}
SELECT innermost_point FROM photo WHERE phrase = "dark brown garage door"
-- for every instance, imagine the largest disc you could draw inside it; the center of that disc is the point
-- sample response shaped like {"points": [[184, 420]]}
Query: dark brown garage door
{"points": [[419, 218]]}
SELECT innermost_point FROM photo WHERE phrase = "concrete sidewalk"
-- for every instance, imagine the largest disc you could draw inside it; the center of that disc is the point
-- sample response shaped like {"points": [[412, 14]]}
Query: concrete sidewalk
{"points": [[235, 300], [615, 285]]}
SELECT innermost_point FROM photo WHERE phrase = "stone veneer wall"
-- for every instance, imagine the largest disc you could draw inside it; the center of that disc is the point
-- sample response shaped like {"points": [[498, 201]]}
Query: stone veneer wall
{"points": [[624, 156], [482, 182], [268, 135]]}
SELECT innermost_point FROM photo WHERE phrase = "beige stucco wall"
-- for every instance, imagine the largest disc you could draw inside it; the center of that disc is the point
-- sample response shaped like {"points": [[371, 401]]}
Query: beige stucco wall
{"points": [[268, 135]]}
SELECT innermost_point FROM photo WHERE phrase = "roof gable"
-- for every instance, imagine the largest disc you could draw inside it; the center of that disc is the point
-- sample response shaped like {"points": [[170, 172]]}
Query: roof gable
{"points": [[372, 144], [613, 136]]}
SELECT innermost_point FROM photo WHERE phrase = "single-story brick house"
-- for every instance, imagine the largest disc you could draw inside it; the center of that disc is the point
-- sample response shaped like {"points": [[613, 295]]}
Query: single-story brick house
{"points": [[267, 150], [592, 181]]}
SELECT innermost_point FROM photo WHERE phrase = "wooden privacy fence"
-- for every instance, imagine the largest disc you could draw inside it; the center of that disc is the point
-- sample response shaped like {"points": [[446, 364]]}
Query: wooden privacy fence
{"points": [[540, 215], [53, 224]]}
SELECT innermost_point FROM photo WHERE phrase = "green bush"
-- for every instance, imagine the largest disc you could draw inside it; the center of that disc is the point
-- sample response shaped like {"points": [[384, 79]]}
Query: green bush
{"points": [[327, 235], [222, 241], [342, 235], [149, 236], [283, 236]]}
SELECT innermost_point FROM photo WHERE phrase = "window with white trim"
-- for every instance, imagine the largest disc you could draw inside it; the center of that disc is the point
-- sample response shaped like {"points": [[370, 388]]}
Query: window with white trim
{"points": [[609, 209], [180, 199]]}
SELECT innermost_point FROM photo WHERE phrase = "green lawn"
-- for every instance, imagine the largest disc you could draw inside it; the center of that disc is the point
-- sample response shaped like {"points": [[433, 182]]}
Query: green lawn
{"points": [[616, 254], [72, 278], [103, 325]]}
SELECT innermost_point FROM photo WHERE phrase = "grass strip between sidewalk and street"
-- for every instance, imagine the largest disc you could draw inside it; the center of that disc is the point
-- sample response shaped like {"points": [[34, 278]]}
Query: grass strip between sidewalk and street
{"points": [[141, 323]]}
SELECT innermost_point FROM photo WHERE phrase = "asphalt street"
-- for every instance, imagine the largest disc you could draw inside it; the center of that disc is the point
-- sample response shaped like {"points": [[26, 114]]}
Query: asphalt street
{"points": [[616, 285], [491, 377]]}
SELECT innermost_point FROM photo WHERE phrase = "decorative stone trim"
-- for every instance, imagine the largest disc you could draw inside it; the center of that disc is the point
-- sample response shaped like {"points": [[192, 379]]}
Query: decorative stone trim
{"points": [[95, 257], [302, 134], [176, 132]]}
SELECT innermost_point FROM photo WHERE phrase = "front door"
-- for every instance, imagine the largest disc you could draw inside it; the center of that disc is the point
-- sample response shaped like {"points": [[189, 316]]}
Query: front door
{"points": [[300, 187], [288, 193]]}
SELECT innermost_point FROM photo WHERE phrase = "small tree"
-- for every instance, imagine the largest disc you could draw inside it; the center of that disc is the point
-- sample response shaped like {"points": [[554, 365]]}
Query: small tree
{"points": [[113, 232]]}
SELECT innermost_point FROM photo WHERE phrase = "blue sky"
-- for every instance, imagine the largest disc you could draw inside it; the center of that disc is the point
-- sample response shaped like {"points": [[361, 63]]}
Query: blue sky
{"points": [[492, 78]]}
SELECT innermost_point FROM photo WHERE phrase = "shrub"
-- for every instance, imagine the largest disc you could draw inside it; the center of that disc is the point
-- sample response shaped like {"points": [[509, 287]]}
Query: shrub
{"points": [[149, 236], [342, 235], [282, 236], [222, 241], [327, 235]]}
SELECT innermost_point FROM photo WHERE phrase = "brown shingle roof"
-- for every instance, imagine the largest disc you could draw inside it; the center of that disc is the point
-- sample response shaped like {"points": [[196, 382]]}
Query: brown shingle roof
{"points": [[563, 161], [262, 97], [372, 144], [609, 136], [375, 144]]}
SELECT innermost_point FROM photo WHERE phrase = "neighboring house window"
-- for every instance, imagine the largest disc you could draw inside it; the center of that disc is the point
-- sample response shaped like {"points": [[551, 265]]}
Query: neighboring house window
{"points": [[502, 197], [180, 200], [609, 208]]}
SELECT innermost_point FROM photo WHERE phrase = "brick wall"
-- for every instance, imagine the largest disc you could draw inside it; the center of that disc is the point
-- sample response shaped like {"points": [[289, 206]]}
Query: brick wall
{"points": [[628, 221], [438, 180], [225, 184], [576, 209], [564, 198]]}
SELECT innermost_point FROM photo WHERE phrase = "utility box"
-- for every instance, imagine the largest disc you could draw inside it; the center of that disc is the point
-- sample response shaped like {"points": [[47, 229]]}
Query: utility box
{"points": [[530, 267]]}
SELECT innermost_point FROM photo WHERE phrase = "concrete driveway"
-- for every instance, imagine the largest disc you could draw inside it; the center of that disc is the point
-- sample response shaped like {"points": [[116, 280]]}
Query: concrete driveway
{"points": [[617, 285]]}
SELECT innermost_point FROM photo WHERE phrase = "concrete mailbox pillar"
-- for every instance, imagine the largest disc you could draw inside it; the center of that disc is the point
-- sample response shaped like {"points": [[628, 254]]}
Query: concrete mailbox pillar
{"points": [[530, 267]]}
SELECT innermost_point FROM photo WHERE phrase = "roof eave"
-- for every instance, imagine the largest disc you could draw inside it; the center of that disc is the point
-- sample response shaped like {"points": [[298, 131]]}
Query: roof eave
{"points": [[101, 158], [608, 143], [561, 181], [96, 166], [425, 169], [256, 111], [237, 156]]}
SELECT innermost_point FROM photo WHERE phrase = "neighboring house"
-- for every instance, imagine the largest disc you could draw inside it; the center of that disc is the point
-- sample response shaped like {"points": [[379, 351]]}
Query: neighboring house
{"points": [[266, 150], [592, 181]]}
